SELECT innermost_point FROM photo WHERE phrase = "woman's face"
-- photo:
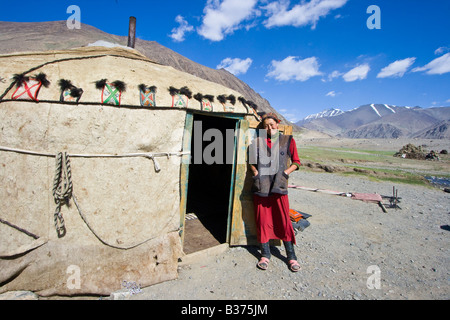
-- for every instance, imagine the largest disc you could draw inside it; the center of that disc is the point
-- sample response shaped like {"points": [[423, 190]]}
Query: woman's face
{"points": [[271, 126]]}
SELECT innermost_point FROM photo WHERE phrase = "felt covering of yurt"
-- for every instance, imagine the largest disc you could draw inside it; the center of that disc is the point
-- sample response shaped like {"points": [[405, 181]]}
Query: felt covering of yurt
{"points": [[122, 219]]}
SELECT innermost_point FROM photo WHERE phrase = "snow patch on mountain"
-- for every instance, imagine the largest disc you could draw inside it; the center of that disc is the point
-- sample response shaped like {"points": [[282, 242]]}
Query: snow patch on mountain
{"points": [[375, 109], [324, 114], [393, 111]]}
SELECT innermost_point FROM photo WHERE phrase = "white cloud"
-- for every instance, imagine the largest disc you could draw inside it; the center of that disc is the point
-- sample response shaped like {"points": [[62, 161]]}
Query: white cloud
{"points": [[292, 69], [224, 17], [439, 65], [331, 94], [179, 32], [291, 117], [301, 14], [441, 50], [235, 66], [358, 73], [333, 75], [396, 68]]}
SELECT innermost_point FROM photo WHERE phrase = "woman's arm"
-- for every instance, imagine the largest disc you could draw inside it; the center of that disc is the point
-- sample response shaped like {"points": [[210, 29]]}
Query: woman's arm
{"points": [[294, 158]]}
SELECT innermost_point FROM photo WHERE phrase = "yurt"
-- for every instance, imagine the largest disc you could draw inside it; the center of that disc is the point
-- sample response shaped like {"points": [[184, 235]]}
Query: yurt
{"points": [[112, 166]]}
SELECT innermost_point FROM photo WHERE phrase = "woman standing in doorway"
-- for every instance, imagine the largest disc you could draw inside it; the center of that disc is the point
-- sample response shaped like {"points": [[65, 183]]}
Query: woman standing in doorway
{"points": [[273, 156]]}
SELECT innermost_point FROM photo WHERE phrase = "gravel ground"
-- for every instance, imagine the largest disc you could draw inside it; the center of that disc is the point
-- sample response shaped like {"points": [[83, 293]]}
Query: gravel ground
{"points": [[349, 245]]}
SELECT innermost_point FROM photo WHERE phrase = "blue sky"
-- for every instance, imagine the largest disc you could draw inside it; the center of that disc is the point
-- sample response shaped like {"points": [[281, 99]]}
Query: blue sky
{"points": [[303, 56]]}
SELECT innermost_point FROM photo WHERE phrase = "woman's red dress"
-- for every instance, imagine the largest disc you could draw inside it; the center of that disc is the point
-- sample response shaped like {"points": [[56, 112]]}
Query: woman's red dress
{"points": [[272, 212]]}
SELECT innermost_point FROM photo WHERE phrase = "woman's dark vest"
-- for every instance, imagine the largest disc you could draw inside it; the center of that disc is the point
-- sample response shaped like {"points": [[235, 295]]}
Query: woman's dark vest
{"points": [[271, 163]]}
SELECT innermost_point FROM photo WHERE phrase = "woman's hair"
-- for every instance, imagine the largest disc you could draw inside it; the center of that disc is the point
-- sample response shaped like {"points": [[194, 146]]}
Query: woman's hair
{"points": [[270, 115]]}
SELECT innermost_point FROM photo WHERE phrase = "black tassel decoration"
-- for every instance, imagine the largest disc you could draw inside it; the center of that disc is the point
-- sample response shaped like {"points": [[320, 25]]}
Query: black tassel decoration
{"points": [[198, 97], [142, 87], [222, 99], [100, 84], [209, 97], [65, 84], [252, 104], [173, 91], [18, 79], [186, 92], [120, 85], [76, 92], [42, 78], [232, 99]]}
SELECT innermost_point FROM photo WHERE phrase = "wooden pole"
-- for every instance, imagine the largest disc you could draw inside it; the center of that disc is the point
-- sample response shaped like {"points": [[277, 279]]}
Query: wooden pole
{"points": [[132, 32]]}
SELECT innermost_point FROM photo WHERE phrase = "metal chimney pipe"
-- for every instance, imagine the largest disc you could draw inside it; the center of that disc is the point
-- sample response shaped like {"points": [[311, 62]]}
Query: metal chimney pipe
{"points": [[132, 32]]}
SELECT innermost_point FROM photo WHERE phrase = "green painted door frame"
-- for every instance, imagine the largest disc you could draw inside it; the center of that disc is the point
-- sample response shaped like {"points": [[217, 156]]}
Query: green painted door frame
{"points": [[241, 125]]}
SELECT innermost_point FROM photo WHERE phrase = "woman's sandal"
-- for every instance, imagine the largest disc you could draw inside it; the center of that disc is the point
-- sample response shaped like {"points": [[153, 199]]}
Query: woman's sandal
{"points": [[294, 266], [263, 263]]}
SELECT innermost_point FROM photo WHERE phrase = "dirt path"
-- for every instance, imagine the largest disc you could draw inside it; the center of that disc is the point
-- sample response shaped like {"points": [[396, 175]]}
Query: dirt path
{"points": [[351, 250]]}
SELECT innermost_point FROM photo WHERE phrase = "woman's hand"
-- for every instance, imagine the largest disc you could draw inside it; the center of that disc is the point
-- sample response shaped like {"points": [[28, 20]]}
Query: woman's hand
{"points": [[289, 170], [254, 170]]}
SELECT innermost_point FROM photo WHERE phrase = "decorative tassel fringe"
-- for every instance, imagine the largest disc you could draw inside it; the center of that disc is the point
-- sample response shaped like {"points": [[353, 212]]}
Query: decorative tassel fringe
{"points": [[252, 104], [198, 97], [42, 78], [120, 85], [76, 92], [18, 79], [144, 87], [65, 84], [100, 84], [184, 90], [232, 99], [173, 91], [222, 99]]}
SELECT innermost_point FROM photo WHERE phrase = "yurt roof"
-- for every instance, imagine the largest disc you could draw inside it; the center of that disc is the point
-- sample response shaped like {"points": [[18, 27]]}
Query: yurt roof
{"points": [[85, 66]]}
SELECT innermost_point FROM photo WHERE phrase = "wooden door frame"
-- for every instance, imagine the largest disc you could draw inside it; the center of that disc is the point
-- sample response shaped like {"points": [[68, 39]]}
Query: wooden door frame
{"points": [[185, 162]]}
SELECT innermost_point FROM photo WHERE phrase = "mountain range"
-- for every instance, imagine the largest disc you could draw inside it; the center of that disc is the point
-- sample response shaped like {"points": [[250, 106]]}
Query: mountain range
{"points": [[54, 35], [382, 121]]}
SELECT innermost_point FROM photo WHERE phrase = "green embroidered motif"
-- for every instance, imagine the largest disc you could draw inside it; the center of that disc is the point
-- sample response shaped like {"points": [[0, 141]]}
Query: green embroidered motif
{"points": [[178, 101], [112, 94]]}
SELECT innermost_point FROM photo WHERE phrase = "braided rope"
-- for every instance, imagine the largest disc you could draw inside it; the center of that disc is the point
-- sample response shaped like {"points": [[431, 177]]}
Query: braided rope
{"points": [[62, 190]]}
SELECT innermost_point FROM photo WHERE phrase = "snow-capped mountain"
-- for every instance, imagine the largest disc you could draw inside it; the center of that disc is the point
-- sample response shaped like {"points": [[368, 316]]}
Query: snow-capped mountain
{"points": [[381, 121], [323, 114]]}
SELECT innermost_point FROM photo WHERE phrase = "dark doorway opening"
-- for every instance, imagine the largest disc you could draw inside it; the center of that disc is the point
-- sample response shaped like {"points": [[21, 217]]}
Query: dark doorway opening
{"points": [[209, 184]]}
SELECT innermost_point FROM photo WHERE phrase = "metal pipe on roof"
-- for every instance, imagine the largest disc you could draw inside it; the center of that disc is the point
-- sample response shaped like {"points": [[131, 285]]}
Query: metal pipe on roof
{"points": [[132, 32]]}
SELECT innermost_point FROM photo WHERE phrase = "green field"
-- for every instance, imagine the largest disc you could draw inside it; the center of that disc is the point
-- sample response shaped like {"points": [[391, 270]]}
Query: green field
{"points": [[373, 164]]}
